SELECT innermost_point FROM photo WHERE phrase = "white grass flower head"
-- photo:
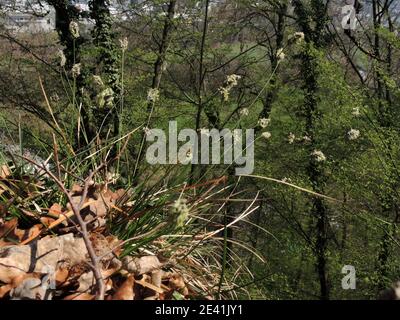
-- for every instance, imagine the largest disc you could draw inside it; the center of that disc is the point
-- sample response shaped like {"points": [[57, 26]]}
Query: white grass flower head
{"points": [[266, 135], [224, 92], [232, 80], [146, 131], [153, 95], [353, 134], [180, 212], [306, 138], [280, 54], [356, 112], [299, 36], [76, 70], [244, 112], [291, 138], [74, 29], [264, 122], [61, 56], [55, 98], [105, 98], [318, 156], [98, 81], [124, 43], [112, 177]]}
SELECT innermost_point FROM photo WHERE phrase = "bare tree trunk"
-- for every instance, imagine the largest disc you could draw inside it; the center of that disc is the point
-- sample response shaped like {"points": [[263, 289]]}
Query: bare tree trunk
{"points": [[162, 51], [108, 59], [201, 75], [314, 37], [274, 59], [388, 195]]}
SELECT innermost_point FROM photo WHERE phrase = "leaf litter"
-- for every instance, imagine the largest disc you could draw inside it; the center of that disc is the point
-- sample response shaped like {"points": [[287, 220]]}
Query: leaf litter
{"points": [[44, 257]]}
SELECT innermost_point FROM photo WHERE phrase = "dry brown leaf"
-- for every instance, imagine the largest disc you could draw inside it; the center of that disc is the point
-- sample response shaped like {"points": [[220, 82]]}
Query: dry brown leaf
{"points": [[4, 171], [76, 188], [118, 194], [103, 247], [4, 205], [114, 243], [146, 284], [76, 200], [142, 265], [60, 220], [16, 282], [47, 252], [5, 244], [5, 289], [26, 234], [126, 290], [31, 288], [109, 284], [18, 279], [86, 282], [101, 200], [103, 204], [7, 227], [108, 273], [61, 276], [46, 221], [156, 278], [164, 287], [177, 283], [55, 210]]}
